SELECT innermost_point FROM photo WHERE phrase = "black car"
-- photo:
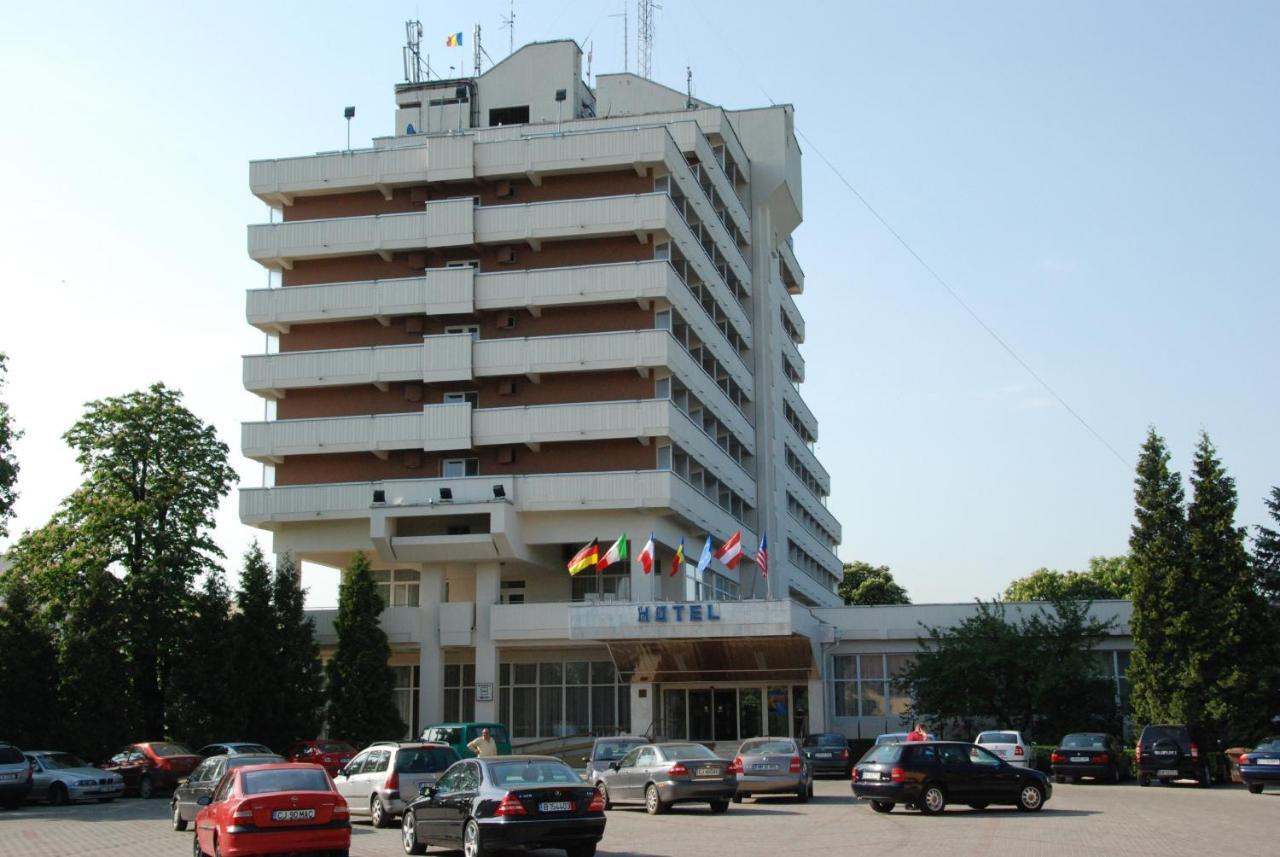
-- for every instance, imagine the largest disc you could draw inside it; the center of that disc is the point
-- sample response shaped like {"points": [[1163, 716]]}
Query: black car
{"points": [[1177, 752], [488, 804], [929, 775], [827, 753], [1261, 765], [1095, 755], [184, 805]]}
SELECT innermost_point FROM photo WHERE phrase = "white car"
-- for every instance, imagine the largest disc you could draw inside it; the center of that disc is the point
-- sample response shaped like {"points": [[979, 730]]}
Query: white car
{"points": [[1008, 745]]}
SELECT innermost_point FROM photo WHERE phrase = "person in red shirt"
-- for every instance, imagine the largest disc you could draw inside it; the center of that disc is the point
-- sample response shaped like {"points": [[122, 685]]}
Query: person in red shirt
{"points": [[917, 733]]}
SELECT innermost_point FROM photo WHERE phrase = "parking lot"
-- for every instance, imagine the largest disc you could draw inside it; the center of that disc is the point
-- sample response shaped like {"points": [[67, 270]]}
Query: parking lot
{"points": [[1107, 820]]}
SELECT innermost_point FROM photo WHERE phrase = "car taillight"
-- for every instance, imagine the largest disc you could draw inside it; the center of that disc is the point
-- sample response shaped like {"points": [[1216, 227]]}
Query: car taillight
{"points": [[1102, 759], [328, 759], [1243, 760], [510, 805], [1137, 753], [1018, 751], [898, 775], [1195, 752], [393, 782], [678, 770], [597, 802], [844, 754], [795, 765], [243, 811], [1057, 758], [340, 809], [162, 764], [736, 766]]}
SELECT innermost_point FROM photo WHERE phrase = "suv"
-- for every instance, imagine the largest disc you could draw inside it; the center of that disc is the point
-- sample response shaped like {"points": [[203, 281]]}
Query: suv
{"points": [[459, 735], [1177, 752], [377, 781], [15, 776]]}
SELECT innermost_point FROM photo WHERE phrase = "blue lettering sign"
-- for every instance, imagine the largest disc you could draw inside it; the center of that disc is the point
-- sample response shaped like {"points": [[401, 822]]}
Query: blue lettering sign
{"points": [[678, 609], [695, 612], [712, 615], [642, 614], [660, 613]]}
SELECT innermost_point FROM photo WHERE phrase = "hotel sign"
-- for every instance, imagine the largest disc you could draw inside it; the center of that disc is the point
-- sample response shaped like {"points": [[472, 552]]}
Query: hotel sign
{"points": [[677, 613], [621, 620]]}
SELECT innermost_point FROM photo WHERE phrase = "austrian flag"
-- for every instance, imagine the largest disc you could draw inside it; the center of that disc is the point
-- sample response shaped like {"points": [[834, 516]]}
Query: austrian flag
{"points": [[730, 553]]}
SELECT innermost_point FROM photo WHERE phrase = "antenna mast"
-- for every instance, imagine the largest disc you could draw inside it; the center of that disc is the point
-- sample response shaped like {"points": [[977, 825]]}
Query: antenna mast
{"points": [[509, 24], [688, 84], [475, 50], [412, 51], [644, 37]]}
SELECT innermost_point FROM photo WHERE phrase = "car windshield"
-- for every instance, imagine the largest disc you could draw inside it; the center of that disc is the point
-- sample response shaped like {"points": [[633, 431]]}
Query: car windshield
{"points": [[425, 760], [998, 738], [11, 756], [883, 754], [253, 748], [63, 760], [891, 738], [336, 747], [612, 751], [164, 748], [285, 780], [684, 752], [532, 773], [764, 748], [1159, 733], [833, 740], [1270, 745], [1085, 742], [245, 759]]}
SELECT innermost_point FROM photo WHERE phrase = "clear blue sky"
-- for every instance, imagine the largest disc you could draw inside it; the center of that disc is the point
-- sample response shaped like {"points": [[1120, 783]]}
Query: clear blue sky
{"points": [[1099, 181]]}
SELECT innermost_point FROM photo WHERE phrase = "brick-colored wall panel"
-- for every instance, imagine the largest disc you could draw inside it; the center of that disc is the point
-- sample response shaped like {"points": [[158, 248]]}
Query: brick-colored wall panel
{"points": [[347, 334], [344, 402], [358, 204]]}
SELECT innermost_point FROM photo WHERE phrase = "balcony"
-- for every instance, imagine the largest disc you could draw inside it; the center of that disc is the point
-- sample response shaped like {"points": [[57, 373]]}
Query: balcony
{"points": [[457, 623], [811, 505], [440, 291], [401, 624], [792, 312], [792, 273], [792, 355], [797, 403]]}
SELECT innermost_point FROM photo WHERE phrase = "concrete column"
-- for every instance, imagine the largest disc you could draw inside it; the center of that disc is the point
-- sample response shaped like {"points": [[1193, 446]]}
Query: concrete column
{"points": [[487, 577], [817, 707], [430, 655], [643, 708]]}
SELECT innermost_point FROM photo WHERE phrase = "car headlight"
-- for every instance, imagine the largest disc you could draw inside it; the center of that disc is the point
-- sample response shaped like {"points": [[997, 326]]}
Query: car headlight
{"points": [[83, 783]]}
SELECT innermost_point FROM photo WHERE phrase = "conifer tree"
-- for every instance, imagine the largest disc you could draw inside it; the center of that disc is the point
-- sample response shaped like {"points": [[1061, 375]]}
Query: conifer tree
{"points": [[201, 708], [1266, 552], [95, 714], [300, 686], [27, 677], [254, 644], [361, 684]]}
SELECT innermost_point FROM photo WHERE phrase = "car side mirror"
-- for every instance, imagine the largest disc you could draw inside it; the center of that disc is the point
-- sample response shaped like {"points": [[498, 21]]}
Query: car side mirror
{"points": [[614, 766], [204, 800], [586, 760], [182, 782], [426, 790]]}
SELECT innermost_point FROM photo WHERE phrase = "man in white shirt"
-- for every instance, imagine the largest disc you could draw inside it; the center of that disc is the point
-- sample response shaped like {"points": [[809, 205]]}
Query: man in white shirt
{"points": [[484, 746]]}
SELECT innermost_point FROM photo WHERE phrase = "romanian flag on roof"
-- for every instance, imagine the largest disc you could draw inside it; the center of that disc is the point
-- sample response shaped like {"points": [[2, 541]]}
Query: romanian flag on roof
{"points": [[585, 558], [454, 41]]}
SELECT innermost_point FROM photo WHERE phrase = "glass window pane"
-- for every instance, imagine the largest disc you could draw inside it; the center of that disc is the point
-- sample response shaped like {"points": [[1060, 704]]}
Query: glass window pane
{"points": [[778, 707], [577, 710], [700, 720], [550, 673], [504, 673], [451, 675], [846, 693], [604, 715], [468, 705], [750, 709], [550, 711], [525, 673], [524, 712], [872, 666], [845, 666], [577, 672], [872, 696], [602, 672], [624, 710], [451, 707], [673, 714], [468, 675], [898, 663]]}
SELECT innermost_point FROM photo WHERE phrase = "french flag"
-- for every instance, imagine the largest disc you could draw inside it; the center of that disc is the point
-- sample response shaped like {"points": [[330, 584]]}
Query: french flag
{"points": [[646, 555], [730, 553]]}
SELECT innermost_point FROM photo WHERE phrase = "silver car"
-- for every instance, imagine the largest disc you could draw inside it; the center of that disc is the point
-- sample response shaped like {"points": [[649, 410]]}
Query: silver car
{"points": [[659, 775], [772, 766], [606, 750], [385, 777], [61, 778]]}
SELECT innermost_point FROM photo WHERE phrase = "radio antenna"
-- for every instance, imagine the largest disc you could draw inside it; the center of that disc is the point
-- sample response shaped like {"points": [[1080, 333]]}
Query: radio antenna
{"points": [[412, 51], [509, 24], [644, 37]]}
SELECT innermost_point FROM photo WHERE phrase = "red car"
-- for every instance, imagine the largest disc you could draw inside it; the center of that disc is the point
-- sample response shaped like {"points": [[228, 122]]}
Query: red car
{"points": [[330, 755], [281, 808], [152, 766]]}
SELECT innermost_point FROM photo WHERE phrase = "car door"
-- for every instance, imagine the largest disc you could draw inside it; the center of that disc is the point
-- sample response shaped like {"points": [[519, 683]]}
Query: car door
{"points": [[647, 764], [184, 796], [195, 789], [345, 781], [458, 804], [957, 773], [432, 813], [209, 816], [41, 778], [993, 780]]}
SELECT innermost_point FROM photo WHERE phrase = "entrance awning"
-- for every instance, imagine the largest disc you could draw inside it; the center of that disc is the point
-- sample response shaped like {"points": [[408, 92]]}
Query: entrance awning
{"points": [[732, 660]]}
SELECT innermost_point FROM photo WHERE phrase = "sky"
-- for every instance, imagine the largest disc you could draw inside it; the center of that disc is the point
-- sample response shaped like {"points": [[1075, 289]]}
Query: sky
{"points": [[1096, 181]]}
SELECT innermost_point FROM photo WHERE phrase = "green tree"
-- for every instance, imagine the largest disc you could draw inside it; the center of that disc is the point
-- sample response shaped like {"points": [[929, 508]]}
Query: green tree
{"points": [[300, 679], [26, 669], [154, 474], [361, 684], [1266, 552], [1039, 674], [253, 643], [202, 705], [9, 435], [867, 584], [1231, 646], [1163, 587], [1107, 578]]}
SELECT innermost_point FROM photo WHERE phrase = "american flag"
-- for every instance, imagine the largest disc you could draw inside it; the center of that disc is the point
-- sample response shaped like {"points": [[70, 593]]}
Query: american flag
{"points": [[762, 554]]}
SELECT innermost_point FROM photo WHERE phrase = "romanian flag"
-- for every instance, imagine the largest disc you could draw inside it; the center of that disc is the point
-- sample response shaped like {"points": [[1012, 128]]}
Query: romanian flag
{"points": [[585, 558], [617, 553], [678, 560], [454, 41]]}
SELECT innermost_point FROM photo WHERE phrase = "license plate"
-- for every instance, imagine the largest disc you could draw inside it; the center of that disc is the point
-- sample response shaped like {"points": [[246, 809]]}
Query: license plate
{"points": [[1269, 761], [555, 806], [766, 767], [1080, 758], [871, 775], [293, 814], [8, 776], [707, 772], [1165, 772], [822, 755]]}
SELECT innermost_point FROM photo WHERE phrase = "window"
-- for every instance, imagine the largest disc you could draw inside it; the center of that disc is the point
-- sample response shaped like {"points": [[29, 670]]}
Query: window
{"points": [[456, 468], [460, 692], [463, 263], [397, 587], [555, 698], [509, 115], [608, 585], [511, 592], [406, 696], [472, 329], [863, 685], [470, 396], [224, 787]]}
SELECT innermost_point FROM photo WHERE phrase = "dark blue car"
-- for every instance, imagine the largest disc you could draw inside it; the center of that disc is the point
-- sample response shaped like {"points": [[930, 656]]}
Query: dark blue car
{"points": [[1261, 765]]}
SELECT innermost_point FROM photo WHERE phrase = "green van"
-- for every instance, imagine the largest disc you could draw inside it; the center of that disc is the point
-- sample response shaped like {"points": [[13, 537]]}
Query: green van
{"points": [[458, 735]]}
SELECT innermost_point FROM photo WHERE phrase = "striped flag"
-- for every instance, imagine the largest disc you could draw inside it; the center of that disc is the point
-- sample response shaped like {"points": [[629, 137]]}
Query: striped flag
{"points": [[762, 554], [617, 553], [454, 41], [704, 559], [646, 555], [678, 560], [730, 552], [585, 558]]}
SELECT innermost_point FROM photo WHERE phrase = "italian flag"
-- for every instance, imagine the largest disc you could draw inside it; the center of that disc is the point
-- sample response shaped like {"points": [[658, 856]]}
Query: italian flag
{"points": [[646, 555], [617, 553]]}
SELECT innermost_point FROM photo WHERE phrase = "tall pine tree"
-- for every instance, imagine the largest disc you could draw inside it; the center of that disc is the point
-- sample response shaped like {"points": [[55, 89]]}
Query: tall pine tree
{"points": [[27, 674], [200, 709], [361, 684], [1266, 552], [1163, 592], [300, 686], [254, 645]]}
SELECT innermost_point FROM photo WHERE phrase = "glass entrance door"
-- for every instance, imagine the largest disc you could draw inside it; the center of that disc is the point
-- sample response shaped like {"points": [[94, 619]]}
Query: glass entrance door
{"points": [[734, 713], [725, 705]]}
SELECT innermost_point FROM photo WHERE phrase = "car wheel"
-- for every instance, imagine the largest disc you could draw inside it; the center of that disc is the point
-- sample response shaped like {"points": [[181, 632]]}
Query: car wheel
{"points": [[719, 806], [604, 793], [409, 835], [1115, 774], [1144, 780], [217, 849], [803, 794], [1206, 777], [378, 814], [58, 795], [146, 788], [934, 799], [1059, 779], [179, 823], [471, 839], [882, 805], [1031, 798], [587, 849], [652, 803], [737, 798], [195, 846], [1255, 788]]}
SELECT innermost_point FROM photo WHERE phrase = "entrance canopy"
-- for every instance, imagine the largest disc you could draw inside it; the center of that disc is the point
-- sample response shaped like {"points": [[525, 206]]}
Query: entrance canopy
{"points": [[723, 661]]}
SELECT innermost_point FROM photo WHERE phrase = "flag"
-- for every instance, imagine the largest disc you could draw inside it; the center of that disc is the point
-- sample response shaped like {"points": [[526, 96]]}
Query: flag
{"points": [[585, 558], [762, 554], [646, 555], [705, 559], [678, 559], [730, 552], [454, 41], [617, 553]]}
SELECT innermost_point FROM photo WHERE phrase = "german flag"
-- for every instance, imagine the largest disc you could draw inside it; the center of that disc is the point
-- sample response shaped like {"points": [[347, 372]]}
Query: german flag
{"points": [[585, 558]]}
